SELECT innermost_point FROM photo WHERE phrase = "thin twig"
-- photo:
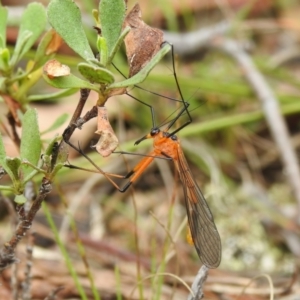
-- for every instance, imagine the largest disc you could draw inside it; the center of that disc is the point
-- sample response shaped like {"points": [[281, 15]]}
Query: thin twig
{"points": [[26, 284], [76, 121], [14, 282], [52, 295], [271, 110], [7, 253], [197, 286]]}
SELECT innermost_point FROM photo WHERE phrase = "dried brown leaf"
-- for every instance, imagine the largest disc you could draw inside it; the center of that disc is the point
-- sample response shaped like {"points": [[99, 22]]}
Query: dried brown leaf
{"points": [[142, 42], [54, 68], [108, 141], [55, 43]]}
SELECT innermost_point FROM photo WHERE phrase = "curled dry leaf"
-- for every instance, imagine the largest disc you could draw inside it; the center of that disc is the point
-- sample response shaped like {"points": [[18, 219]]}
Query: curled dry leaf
{"points": [[54, 68], [55, 42], [142, 42], [108, 141]]}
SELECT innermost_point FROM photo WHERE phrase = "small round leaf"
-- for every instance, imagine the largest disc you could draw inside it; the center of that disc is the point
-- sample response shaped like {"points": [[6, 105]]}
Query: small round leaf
{"points": [[20, 199], [96, 74]]}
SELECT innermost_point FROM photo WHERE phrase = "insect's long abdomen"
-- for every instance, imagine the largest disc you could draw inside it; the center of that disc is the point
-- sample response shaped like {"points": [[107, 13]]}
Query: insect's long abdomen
{"points": [[203, 229]]}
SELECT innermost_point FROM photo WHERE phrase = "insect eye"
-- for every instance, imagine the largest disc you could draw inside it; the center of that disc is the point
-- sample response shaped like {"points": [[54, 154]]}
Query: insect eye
{"points": [[154, 131], [174, 137]]}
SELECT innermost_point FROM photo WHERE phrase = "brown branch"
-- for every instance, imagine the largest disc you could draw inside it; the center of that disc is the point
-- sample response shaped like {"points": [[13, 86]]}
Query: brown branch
{"points": [[7, 253], [76, 121]]}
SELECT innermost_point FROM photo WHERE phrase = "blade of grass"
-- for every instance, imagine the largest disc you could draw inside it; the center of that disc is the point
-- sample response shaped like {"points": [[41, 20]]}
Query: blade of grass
{"points": [[118, 283], [64, 252]]}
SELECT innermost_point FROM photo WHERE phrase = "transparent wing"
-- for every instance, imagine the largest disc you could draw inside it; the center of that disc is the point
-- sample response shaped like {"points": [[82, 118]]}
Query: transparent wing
{"points": [[203, 229]]}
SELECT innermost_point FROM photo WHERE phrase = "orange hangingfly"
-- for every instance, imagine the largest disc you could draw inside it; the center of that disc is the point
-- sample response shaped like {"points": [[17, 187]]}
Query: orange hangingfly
{"points": [[166, 145], [201, 222]]}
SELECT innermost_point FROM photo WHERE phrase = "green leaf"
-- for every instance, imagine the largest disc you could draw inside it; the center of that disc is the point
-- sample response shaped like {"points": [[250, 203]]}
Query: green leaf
{"points": [[61, 158], [65, 18], [23, 38], [33, 21], [70, 81], [3, 158], [95, 74], [13, 166], [42, 47], [3, 20], [20, 199], [4, 59], [57, 123], [95, 62], [2, 85], [2, 150], [52, 96], [30, 142], [95, 14], [47, 156], [10, 165], [62, 155], [143, 73], [111, 14], [118, 45], [40, 55], [51, 145], [102, 48]]}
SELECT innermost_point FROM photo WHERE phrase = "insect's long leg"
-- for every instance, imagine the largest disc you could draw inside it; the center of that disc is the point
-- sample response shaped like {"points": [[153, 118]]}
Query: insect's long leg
{"points": [[140, 101], [183, 110], [143, 89], [185, 104], [135, 173], [144, 155], [150, 106]]}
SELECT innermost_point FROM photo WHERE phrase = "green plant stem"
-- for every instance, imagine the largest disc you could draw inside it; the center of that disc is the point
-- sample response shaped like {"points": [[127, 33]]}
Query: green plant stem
{"points": [[166, 246], [6, 188], [136, 239], [118, 283]]}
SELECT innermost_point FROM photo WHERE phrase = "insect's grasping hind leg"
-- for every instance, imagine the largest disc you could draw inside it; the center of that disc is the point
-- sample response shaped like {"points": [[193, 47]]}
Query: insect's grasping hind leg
{"points": [[98, 170], [134, 174], [185, 103], [150, 107]]}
